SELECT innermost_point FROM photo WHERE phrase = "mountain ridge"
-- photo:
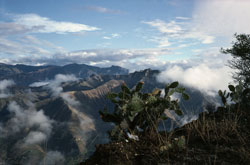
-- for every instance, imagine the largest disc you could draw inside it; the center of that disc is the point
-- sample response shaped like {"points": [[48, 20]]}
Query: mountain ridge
{"points": [[25, 75]]}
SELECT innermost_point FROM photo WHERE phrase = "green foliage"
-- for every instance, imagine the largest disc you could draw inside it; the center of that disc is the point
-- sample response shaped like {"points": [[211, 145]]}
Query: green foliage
{"points": [[240, 52], [237, 98], [136, 111]]}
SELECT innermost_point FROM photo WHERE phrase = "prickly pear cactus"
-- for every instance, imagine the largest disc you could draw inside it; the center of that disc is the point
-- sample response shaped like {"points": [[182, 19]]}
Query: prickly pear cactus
{"points": [[136, 111], [237, 98]]}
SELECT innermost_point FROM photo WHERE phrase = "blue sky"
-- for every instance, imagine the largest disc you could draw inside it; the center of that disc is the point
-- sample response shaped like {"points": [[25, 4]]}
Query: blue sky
{"points": [[135, 34], [111, 17]]}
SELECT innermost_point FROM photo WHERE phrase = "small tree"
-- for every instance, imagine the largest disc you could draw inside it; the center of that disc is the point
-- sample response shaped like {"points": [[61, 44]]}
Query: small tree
{"points": [[241, 58], [239, 95], [135, 111]]}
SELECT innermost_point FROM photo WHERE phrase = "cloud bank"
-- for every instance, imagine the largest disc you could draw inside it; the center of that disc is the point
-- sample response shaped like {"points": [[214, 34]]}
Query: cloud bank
{"points": [[128, 58], [201, 77], [207, 73]]}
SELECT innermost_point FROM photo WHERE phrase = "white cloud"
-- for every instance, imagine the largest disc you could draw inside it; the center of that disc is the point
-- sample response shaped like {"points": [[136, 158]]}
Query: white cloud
{"points": [[116, 54], [16, 41], [31, 40], [222, 18], [140, 64], [107, 38], [53, 157], [182, 18], [27, 119], [177, 32], [35, 137], [40, 120], [207, 72], [102, 57], [211, 20], [23, 120], [20, 49], [169, 28], [113, 35], [200, 36], [163, 42], [55, 85], [85, 123], [45, 25], [208, 40], [101, 9], [11, 28], [69, 99], [201, 77], [4, 84], [39, 84], [24, 44]]}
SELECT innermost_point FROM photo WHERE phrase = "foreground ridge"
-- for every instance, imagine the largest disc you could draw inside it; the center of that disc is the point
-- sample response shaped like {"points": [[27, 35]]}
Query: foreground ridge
{"points": [[217, 137]]}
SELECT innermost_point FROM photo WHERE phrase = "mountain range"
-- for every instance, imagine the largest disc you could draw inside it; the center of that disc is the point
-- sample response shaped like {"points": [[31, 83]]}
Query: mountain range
{"points": [[25, 75], [49, 114]]}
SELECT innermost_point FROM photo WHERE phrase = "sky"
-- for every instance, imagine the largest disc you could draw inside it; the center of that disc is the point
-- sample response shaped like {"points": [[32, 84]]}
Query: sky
{"points": [[110, 32], [135, 34]]}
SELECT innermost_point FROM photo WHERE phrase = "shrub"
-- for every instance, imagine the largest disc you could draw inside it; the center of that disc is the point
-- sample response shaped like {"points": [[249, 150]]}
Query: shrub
{"points": [[238, 97], [135, 111]]}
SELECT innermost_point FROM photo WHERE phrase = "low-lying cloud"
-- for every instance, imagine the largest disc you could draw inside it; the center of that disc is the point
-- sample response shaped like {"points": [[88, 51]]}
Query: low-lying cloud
{"points": [[55, 85], [4, 85], [69, 99], [208, 72], [35, 137], [53, 157], [31, 128], [40, 126], [39, 84], [85, 124], [200, 76]]}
